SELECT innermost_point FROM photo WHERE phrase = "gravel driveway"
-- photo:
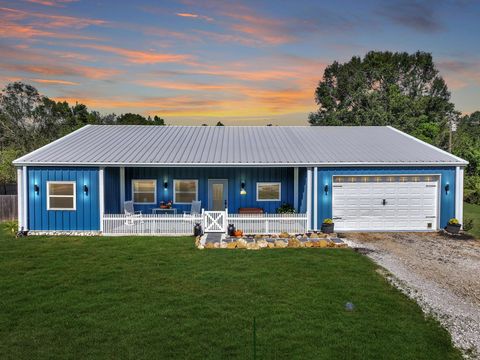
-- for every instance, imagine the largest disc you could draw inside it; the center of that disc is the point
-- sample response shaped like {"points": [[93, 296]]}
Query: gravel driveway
{"points": [[441, 273]]}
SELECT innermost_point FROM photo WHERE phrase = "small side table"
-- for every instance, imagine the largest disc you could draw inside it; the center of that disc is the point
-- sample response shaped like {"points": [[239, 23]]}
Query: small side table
{"points": [[164, 211]]}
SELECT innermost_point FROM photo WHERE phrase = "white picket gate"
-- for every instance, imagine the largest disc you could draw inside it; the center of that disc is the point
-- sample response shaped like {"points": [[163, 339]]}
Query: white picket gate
{"points": [[215, 221]]}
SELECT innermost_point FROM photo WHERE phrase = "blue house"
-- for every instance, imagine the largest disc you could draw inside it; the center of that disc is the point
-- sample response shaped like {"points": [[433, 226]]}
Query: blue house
{"points": [[364, 178]]}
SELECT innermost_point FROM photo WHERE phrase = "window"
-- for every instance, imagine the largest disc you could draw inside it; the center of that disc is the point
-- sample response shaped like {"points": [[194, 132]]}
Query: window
{"points": [[269, 191], [185, 191], [61, 195], [144, 191]]}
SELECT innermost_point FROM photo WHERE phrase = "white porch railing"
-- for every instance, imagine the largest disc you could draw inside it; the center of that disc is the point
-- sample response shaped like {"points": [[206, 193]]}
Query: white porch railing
{"points": [[165, 224], [150, 224], [269, 223]]}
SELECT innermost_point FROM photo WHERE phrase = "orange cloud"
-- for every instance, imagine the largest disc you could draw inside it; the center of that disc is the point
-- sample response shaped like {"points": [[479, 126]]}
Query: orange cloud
{"points": [[176, 85], [195, 16], [58, 3], [139, 57], [55, 82], [63, 70]]}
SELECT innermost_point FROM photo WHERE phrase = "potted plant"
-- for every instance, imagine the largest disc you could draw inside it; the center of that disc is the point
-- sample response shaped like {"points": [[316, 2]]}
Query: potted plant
{"points": [[327, 226], [453, 226], [286, 209]]}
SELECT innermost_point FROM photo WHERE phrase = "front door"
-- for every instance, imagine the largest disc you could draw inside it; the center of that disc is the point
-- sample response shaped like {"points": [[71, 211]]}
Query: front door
{"points": [[217, 194]]}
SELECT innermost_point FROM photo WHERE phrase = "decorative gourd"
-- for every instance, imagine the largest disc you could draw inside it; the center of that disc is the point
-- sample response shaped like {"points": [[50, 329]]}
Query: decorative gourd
{"points": [[238, 233]]}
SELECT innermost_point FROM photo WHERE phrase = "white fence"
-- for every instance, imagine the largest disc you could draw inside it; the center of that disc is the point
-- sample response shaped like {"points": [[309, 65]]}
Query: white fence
{"points": [[165, 224], [150, 224], [269, 223]]}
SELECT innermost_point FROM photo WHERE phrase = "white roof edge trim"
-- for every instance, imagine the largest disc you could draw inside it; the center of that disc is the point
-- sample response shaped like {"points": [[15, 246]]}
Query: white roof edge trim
{"points": [[463, 161], [339, 164], [20, 161]]}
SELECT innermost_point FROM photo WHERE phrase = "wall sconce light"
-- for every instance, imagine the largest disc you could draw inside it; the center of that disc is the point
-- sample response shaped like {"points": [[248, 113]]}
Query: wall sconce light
{"points": [[36, 188], [85, 189], [325, 189], [242, 189], [165, 185], [447, 189]]}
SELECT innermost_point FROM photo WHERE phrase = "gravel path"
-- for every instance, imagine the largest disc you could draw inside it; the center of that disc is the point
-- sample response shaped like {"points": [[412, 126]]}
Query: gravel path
{"points": [[442, 274]]}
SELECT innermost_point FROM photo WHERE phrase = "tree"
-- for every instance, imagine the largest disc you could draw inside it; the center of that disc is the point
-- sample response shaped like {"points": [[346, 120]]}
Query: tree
{"points": [[466, 142], [136, 119], [384, 88], [219, 124]]}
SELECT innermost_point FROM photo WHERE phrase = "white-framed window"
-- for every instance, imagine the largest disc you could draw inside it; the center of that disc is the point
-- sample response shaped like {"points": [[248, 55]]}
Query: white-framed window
{"points": [[185, 191], [61, 195], [144, 191], [269, 191]]}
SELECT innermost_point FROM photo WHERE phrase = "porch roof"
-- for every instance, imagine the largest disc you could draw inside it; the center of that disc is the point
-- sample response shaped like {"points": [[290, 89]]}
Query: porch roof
{"points": [[135, 145]]}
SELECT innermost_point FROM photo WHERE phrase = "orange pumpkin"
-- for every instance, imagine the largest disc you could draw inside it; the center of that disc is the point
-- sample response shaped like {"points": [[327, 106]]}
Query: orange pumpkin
{"points": [[238, 233]]}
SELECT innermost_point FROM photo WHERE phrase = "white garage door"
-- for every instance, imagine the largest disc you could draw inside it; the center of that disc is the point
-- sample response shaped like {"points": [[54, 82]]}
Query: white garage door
{"points": [[385, 202]]}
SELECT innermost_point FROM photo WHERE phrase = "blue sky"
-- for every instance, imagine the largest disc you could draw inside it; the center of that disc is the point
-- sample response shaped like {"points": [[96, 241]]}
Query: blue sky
{"points": [[249, 62]]}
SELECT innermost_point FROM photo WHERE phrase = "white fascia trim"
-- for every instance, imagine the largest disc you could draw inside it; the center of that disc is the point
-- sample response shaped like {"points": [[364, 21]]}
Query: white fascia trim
{"points": [[464, 162], [459, 193], [233, 165], [21, 161]]}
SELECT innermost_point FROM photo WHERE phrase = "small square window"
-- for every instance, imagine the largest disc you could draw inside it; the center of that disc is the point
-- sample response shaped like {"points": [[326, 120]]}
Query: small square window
{"points": [[61, 195], [185, 191], [144, 191]]}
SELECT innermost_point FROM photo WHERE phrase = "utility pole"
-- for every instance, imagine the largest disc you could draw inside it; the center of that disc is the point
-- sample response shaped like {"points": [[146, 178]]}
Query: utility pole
{"points": [[452, 127]]}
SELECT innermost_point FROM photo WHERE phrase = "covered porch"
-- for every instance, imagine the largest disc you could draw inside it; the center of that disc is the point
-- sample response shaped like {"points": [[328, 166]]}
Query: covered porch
{"points": [[249, 198]]}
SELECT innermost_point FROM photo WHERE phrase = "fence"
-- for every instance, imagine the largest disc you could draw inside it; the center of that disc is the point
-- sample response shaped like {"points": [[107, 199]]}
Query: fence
{"points": [[164, 224], [8, 207], [269, 223], [150, 224]]}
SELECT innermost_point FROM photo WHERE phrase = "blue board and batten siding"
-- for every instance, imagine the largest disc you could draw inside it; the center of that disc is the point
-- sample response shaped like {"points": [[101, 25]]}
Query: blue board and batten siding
{"points": [[86, 217], [447, 176], [235, 177]]}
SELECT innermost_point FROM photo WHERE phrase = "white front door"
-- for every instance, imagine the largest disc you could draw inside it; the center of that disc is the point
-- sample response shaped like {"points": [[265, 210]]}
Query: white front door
{"points": [[217, 194], [384, 203]]}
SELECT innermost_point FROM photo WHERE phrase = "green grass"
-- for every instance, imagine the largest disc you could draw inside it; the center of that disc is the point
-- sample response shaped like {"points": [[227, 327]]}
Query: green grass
{"points": [[473, 212], [159, 298]]}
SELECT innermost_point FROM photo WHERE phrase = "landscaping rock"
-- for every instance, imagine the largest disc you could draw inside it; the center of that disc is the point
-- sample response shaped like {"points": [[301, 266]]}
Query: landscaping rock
{"points": [[308, 244], [284, 235], [209, 245], [294, 243], [241, 244], [223, 245], [232, 245], [270, 245], [262, 243], [280, 243], [323, 243], [253, 246]]}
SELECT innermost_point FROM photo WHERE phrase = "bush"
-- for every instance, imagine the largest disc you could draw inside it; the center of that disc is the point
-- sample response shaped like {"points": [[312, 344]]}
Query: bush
{"points": [[11, 227], [472, 190], [468, 223], [453, 221], [286, 209]]}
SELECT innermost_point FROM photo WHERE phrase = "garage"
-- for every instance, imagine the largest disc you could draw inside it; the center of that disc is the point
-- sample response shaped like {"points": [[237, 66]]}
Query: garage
{"points": [[381, 203]]}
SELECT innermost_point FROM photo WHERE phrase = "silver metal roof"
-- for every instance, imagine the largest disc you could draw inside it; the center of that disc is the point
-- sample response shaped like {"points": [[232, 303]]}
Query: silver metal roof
{"points": [[135, 145]]}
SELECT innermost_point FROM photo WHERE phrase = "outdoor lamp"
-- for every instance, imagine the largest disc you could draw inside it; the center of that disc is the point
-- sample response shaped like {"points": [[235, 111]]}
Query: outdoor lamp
{"points": [[36, 188], [447, 188], [325, 189], [85, 189], [242, 189], [165, 186]]}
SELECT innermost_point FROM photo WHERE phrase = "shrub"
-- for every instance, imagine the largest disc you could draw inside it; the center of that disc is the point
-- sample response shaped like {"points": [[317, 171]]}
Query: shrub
{"points": [[11, 227], [285, 209], [468, 223]]}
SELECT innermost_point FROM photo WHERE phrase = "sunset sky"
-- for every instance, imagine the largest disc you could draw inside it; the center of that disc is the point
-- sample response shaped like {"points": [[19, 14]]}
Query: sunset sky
{"points": [[253, 62]]}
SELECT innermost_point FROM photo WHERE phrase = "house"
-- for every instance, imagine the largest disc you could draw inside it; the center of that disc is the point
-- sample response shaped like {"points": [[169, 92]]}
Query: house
{"points": [[365, 178]]}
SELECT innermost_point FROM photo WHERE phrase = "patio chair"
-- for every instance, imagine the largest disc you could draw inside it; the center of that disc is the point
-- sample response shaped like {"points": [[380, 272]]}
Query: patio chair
{"points": [[130, 213], [195, 209]]}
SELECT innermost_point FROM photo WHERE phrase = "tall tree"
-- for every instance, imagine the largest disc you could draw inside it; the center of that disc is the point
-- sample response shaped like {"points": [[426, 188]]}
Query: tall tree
{"points": [[384, 88]]}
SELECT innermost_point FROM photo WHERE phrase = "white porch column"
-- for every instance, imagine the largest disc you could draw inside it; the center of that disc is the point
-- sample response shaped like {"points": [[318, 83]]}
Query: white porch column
{"points": [[309, 198], [25, 198], [459, 193], [122, 188], [315, 198], [101, 194], [20, 197], [295, 188]]}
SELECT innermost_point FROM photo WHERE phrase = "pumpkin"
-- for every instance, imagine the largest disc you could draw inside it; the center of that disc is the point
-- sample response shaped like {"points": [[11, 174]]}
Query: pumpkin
{"points": [[238, 233]]}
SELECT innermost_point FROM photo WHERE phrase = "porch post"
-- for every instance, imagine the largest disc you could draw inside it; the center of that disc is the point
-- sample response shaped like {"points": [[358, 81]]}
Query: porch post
{"points": [[295, 188], [101, 197], [25, 198], [309, 198], [315, 198], [122, 188], [20, 197], [459, 193]]}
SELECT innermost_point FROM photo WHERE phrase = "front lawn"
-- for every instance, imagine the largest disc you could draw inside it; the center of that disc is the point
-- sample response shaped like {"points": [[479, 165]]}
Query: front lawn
{"points": [[158, 298], [473, 212]]}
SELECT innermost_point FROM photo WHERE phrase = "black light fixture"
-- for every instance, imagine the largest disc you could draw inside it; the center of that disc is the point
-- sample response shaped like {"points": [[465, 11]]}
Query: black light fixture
{"points": [[325, 189], [165, 185], [242, 189], [447, 188], [85, 189], [36, 188]]}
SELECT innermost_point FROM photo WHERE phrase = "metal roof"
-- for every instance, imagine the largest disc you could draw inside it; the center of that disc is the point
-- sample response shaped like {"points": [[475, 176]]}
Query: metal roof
{"points": [[136, 145]]}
